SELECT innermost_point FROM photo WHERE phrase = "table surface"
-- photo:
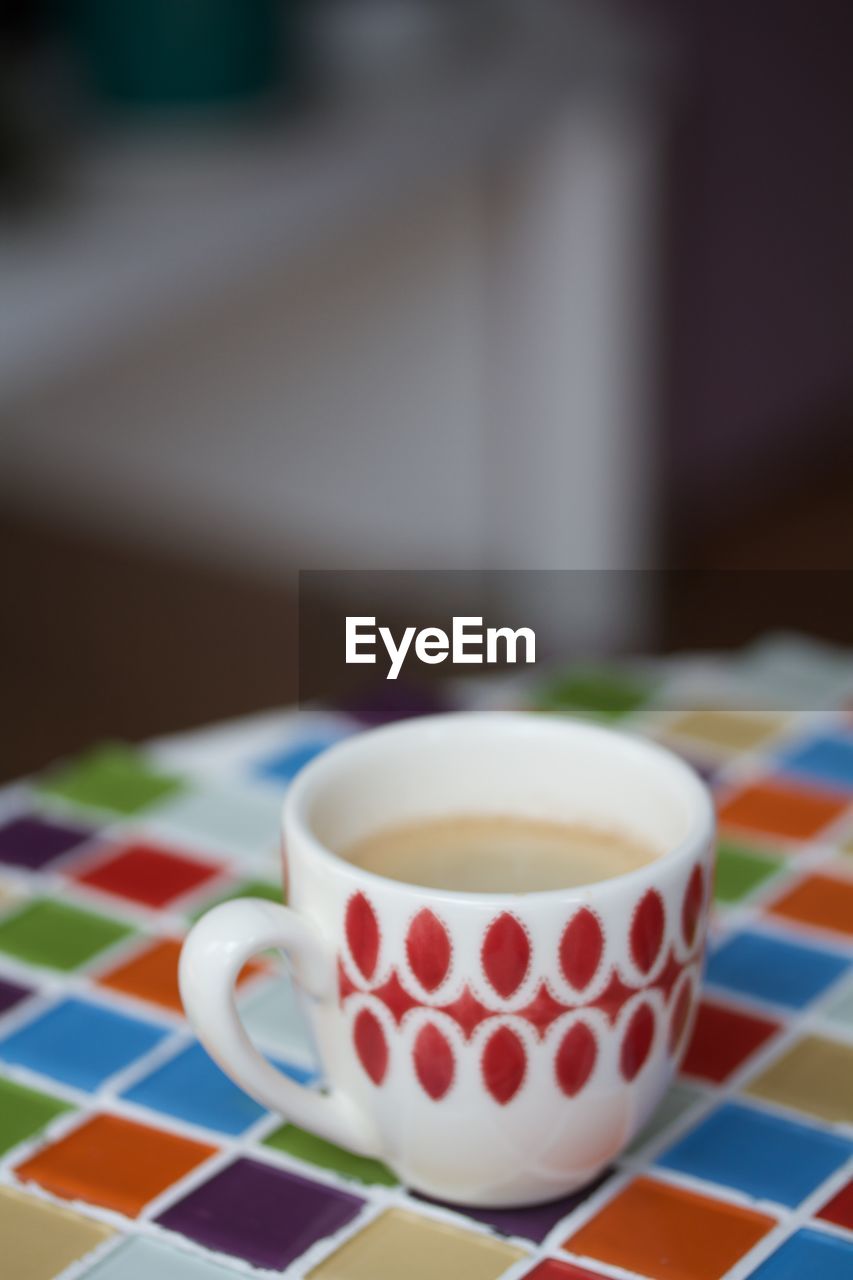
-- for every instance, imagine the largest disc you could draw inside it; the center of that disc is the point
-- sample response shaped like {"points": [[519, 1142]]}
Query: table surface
{"points": [[125, 1153]]}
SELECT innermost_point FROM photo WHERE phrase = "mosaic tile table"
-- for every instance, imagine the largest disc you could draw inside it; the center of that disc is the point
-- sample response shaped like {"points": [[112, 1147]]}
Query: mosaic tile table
{"points": [[125, 1154]]}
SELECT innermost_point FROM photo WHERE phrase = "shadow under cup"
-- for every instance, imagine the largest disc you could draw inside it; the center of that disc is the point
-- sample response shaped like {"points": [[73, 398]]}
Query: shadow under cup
{"points": [[504, 1047]]}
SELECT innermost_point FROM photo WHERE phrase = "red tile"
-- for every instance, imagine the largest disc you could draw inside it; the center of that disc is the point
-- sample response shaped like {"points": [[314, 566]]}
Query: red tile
{"points": [[551, 1269], [146, 873], [783, 809], [840, 1208], [722, 1039]]}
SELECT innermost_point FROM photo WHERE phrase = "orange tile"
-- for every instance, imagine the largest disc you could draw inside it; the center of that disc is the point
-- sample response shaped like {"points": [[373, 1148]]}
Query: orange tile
{"points": [[825, 901], [669, 1233], [788, 810], [113, 1163], [152, 975]]}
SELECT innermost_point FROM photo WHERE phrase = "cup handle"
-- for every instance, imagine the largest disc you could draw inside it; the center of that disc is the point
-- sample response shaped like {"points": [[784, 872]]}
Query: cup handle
{"points": [[213, 955]]}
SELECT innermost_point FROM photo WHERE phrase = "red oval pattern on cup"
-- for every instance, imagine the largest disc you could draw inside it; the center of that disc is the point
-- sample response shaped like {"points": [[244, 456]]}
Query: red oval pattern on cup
{"points": [[679, 1016], [428, 949], [505, 954], [434, 1062], [362, 930], [581, 947], [506, 957], [692, 906], [637, 1042], [371, 1045], [647, 930], [504, 1064], [575, 1059]]}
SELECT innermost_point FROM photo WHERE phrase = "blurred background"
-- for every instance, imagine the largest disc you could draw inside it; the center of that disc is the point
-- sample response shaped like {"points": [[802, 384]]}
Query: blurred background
{"points": [[409, 284]]}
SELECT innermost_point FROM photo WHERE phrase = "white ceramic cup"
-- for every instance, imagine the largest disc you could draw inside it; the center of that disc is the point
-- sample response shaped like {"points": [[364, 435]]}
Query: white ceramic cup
{"points": [[493, 1049]]}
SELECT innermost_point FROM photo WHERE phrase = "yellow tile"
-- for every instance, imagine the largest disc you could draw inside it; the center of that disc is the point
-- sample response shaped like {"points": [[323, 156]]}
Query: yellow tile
{"points": [[728, 730], [399, 1243], [8, 894], [40, 1240], [815, 1076]]}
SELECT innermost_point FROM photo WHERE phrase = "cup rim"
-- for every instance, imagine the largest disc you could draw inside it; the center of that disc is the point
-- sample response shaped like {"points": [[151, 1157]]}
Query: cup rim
{"points": [[305, 784]]}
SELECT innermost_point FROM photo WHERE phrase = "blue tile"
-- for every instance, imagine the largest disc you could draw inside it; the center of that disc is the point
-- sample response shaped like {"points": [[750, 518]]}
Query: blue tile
{"points": [[760, 1154], [286, 763], [79, 1043], [809, 1253], [827, 759], [191, 1087], [773, 969]]}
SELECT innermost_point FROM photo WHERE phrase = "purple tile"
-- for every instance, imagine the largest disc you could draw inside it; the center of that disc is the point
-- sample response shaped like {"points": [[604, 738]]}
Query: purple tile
{"points": [[707, 772], [531, 1222], [33, 842], [11, 993], [382, 704], [264, 1215]]}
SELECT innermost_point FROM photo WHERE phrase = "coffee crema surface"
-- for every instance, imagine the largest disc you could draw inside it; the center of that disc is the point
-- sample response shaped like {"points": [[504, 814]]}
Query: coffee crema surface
{"points": [[499, 854]]}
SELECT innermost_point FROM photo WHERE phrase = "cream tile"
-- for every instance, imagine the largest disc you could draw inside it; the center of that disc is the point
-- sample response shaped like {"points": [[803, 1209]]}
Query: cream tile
{"points": [[39, 1240], [404, 1244], [815, 1076]]}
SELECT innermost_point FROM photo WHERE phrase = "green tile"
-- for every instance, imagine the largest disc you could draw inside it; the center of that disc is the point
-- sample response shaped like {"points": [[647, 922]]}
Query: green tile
{"points": [[740, 870], [677, 1100], [246, 889], [325, 1155], [112, 777], [23, 1112], [593, 691], [57, 936]]}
